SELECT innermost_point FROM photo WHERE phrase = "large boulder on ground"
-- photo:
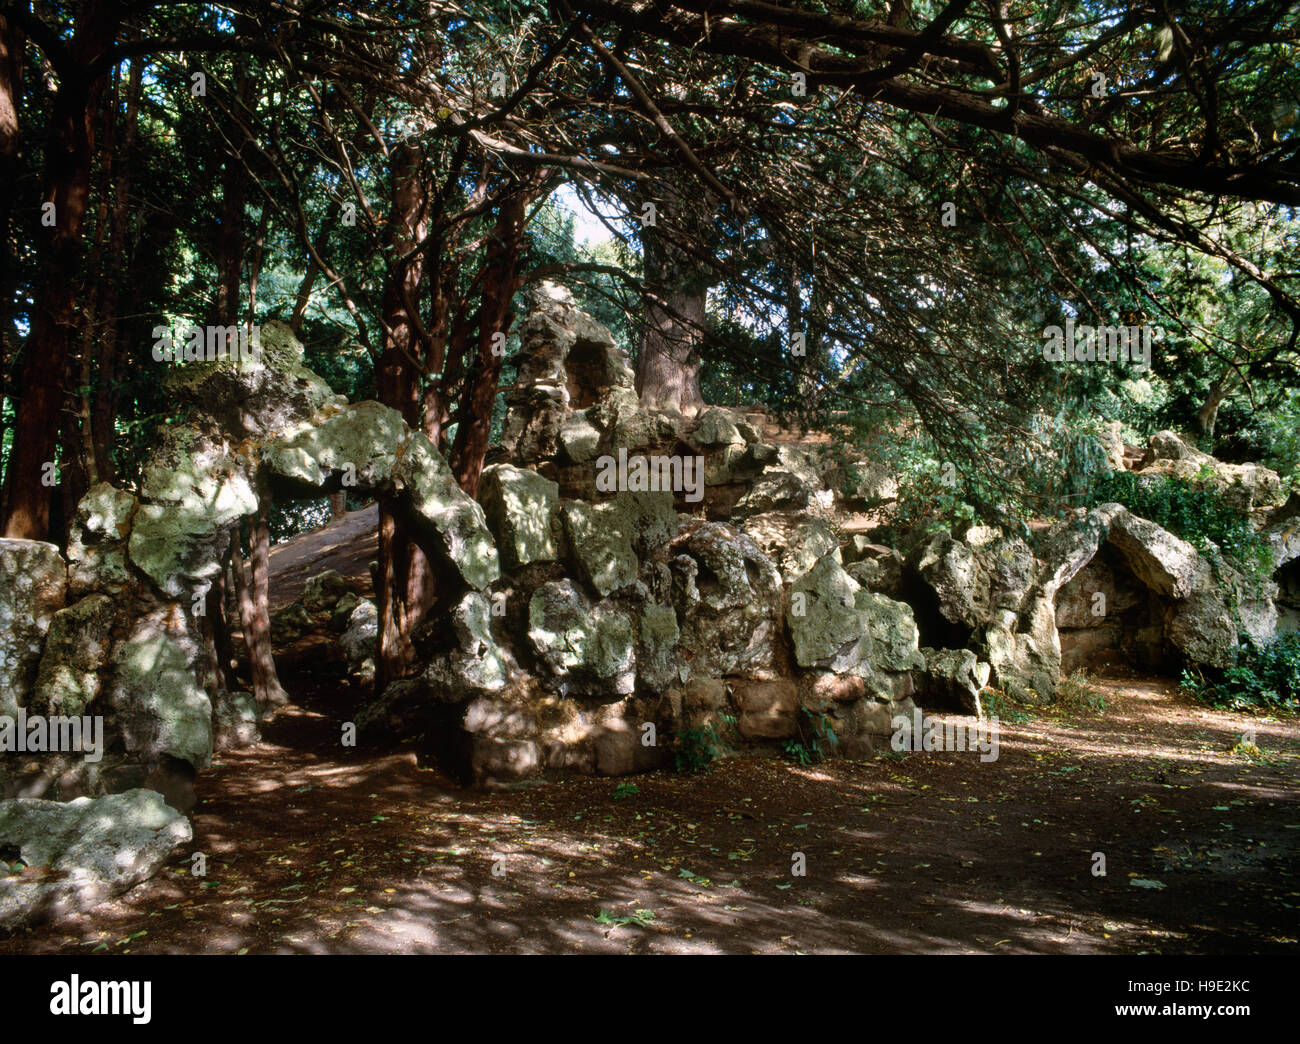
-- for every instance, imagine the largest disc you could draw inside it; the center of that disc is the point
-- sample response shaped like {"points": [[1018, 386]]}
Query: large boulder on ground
{"points": [[322, 592], [59, 858], [33, 584], [360, 640]]}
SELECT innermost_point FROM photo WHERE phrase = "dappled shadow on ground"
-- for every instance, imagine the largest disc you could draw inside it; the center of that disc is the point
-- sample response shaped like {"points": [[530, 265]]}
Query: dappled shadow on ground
{"points": [[315, 848]]}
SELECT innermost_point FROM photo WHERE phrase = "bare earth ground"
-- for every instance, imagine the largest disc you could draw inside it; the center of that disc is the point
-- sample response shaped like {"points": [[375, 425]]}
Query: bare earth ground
{"points": [[316, 848]]}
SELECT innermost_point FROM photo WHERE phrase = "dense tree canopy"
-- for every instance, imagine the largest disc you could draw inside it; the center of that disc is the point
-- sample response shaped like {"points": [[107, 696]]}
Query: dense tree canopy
{"points": [[864, 210]]}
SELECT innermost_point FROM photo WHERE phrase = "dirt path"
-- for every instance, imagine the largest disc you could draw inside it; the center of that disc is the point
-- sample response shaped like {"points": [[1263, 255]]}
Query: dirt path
{"points": [[347, 545], [315, 848]]}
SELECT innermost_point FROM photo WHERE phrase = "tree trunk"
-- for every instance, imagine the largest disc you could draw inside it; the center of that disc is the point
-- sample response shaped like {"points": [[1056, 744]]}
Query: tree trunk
{"points": [[668, 362], [54, 332], [405, 583], [117, 275], [251, 582], [500, 280], [1207, 417]]}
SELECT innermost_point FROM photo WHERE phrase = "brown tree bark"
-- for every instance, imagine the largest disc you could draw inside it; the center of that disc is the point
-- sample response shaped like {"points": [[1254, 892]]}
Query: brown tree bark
{"points": [[668, 360], [252, 586], [55, 323], [405, 583], [116, 276], [500, 281]]}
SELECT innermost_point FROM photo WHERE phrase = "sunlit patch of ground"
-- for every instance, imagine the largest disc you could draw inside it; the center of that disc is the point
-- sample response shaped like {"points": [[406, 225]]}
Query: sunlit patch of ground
{"points": [[315, 848]]}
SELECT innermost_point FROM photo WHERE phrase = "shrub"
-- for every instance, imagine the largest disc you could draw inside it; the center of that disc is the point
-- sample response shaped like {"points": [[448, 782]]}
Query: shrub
{"points": [[1075, 693], [816, 738], [1199, 516], [1264, 677]]}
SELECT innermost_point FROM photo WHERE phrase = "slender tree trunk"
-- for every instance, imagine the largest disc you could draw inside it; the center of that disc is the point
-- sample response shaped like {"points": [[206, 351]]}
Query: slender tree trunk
{"points": [[251, 582], [500, 280], [11, 68], [1207, 417], [117, 274], [405, 583], [55, 321]]}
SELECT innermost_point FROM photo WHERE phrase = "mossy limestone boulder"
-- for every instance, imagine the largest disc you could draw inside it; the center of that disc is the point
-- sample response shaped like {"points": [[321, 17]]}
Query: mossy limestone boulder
{"points": [[519, 505], [33, 586], [76, 651]]}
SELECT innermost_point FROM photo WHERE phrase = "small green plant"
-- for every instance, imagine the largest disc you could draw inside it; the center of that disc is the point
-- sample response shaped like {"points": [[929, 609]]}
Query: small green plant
{"points": [[625, 790], [1076, 693], [698, 748], [640, 918], [815, 740], [1262, 677], [997, 704]]}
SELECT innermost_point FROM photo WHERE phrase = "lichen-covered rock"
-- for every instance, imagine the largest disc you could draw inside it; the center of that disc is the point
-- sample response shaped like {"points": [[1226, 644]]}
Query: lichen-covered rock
{"points": [[605, 538], [360, 640], [160, 707], [290, 623], [793, 541], [322, 592], [519, 505], [657, 655], [194, 491], [727, 595], [234, 720], [586, 648], [94, 849], [438, 510], [875, 567], [716, 427], [601, 545], [477, 665], [894, 637], [826, 626], [1246, 487], [953, 677], [268, 392], [355, 444], [76, 650], [578, 440], [33, 585], [777, 490], [862, 485], [97, 557], [961, 584]]}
